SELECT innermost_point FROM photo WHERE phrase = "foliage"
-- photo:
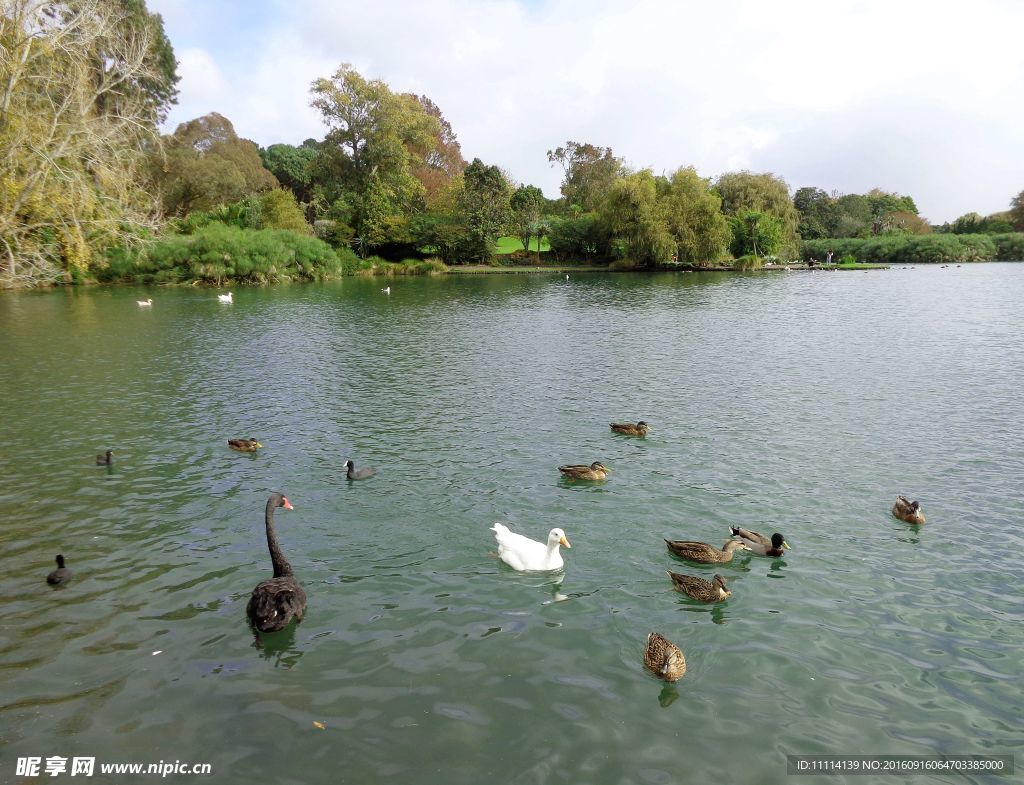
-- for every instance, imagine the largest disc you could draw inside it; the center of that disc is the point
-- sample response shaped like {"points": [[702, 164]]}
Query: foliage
{"points": [[745, 192], [692, 212], [589, 173], [755, 233], [633, 219], [83, 84], [907, 249], [526, 203], [856, 215], [279, 210], [1009, 247], [483, 209], [1016, 212], [377, 143], [219, 252], [204, 164], [580, 238], [972, 223], [292, 167]]}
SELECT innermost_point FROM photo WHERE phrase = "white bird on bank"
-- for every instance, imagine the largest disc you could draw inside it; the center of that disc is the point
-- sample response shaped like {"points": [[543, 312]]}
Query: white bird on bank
{"points": [[225, 298], [144, 303], [522, 553]]}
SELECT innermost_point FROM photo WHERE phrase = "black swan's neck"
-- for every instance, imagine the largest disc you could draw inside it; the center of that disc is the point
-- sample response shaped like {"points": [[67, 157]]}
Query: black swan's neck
{"points": [[281, 565]]}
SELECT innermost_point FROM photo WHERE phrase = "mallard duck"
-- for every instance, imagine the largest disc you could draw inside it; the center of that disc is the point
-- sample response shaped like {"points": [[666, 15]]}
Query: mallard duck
{"points": [[105, 459], [702, 552], [714, 590], [225, 298], [244, 445], [663, 658], [522, 553], [759, 544], [278, 600], [61, 575], [144, 303], [640, 429], [908, 511], [358, 474], [596, 471]]}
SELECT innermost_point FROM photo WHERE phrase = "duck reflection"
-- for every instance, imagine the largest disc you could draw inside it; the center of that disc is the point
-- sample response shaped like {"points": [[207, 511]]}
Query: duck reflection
{"points": [[668, 695]]}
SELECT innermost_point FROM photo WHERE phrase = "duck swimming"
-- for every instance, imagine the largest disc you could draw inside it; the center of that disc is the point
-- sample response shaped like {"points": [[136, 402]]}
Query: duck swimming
{"points": [[663, 658], [225, 298], [908, 511], [61, 575], [523, 554], [702, 552], [105, 459], [244, 445], [144, 303], [759, 544], [640, 429], [714, 590], [358, 474], [596, 471]]}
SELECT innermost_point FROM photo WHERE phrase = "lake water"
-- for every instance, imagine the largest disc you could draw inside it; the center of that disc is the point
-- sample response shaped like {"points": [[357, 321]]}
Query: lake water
{"points": [[792, 402]]}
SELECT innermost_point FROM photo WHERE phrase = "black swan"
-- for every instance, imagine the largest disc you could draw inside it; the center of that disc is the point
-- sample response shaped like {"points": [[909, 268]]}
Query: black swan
{"points": [[358, 474], [276, 601], [106, 459], [61, 575]]}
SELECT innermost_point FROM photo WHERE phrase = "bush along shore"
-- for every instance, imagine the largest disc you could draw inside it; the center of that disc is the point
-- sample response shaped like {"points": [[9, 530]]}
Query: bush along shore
{"points": [[920, 249]]}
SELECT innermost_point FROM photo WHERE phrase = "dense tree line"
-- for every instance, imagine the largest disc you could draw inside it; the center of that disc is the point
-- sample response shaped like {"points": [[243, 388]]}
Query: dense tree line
{"points": [[89, 188]]}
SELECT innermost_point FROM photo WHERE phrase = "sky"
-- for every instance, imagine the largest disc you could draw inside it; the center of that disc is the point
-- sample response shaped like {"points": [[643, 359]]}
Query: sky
{"points": [[920, 98]]}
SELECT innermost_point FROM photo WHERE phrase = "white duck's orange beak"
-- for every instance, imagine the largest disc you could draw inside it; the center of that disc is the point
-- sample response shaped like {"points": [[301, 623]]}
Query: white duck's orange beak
{"points": [[564, 541]]}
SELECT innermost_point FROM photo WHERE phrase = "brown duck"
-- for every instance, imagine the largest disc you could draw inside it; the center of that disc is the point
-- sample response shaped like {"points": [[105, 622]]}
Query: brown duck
{"points": [[663, 658], [908, 511], [596, 471], [244, 445], [640, 429], [702, 552], [714, 590]]}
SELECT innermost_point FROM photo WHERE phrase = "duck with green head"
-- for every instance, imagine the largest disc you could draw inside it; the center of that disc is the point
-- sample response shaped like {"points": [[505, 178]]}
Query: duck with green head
{"points": [[775, 545]]}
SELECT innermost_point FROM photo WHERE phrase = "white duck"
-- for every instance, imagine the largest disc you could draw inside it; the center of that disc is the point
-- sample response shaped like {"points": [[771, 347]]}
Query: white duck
{"points": [[522, 553], [225, 298], [144, 303], [386, 290]]}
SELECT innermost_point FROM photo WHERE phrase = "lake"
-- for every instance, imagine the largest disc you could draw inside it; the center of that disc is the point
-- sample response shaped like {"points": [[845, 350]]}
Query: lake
{"points": [[799, 402]]}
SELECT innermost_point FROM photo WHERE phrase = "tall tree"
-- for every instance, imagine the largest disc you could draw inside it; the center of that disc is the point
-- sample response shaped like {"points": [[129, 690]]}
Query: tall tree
{"points": [[817, 211], [204, 163], [484, 208], [527, 205], [83, 84], [632, 216], [693, 215], [589, 172], [441, 160], [376, 142], [292, 167], [1017, 211], [745, 192]]}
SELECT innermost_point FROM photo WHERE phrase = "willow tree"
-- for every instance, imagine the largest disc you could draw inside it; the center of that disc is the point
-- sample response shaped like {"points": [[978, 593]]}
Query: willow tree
{"points": [[636, 221], [83, 85], [693, 216], [746, 192]]}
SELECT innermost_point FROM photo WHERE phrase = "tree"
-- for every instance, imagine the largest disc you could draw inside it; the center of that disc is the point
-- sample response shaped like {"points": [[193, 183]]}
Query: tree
{"points": [[376, 143], [1017, 211], [631, 215], [279, 210], [757, 233], [589, 173], [291, 166], [818, 213], [527, 204], [484, 208], [693, 216], [83, 84], [442, 159], [746, 192], [204, 163]]}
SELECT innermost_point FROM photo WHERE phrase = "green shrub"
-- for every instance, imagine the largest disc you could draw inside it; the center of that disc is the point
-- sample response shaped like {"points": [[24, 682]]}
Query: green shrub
{"points": [[1009, 247]]}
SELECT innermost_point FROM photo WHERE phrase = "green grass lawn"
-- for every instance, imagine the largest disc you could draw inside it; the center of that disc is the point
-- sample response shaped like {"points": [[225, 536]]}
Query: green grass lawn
{"points": [[511, 244]]}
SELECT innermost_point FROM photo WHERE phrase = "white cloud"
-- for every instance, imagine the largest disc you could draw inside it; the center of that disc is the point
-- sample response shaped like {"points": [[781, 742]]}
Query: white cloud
{"points": [[919, 97]]}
